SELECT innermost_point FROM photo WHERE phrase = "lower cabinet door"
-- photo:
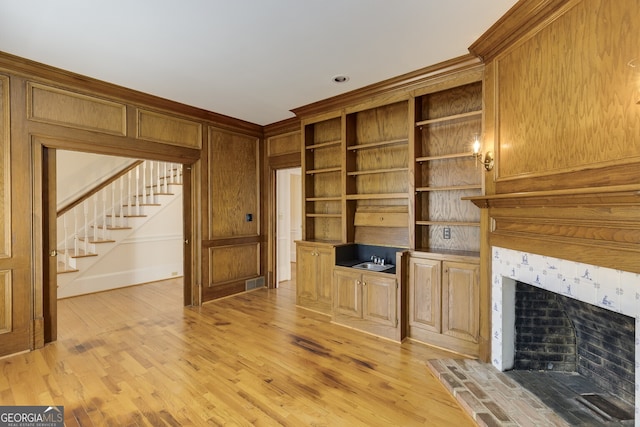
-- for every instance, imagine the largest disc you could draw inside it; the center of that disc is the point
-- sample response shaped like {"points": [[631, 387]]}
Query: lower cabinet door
{"points": [[425, 294], [347, 293], [460, 300], [379, 300]]}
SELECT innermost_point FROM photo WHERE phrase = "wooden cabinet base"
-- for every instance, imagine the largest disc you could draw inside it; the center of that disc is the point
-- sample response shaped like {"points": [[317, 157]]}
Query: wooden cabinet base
{"points": [[445, 342], [364, 325]]}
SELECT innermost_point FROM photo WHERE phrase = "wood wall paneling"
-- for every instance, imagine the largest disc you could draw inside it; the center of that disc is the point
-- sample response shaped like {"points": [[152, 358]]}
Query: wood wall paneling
{"points": [[232, 263], [5, 170], [562, 113], [62, 107], [283, 144], [567, 97], [233, 184], [6, 302], [168, 129]]}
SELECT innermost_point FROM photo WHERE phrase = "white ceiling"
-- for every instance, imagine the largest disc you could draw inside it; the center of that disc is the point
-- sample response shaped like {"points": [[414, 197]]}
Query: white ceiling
{"points": [[250, 59]]}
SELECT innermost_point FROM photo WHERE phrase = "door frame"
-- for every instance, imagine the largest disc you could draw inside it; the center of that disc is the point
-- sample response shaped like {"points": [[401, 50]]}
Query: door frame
{"points": [[287, 161], [45, 299]]}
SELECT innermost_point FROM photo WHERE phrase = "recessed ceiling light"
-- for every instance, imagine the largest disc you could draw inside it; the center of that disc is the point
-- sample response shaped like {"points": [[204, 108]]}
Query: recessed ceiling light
{"points": [[340, 79]]}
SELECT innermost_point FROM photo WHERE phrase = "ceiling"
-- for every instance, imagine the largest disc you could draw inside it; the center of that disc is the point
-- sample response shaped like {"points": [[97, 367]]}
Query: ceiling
{"points": [[250, 59]]}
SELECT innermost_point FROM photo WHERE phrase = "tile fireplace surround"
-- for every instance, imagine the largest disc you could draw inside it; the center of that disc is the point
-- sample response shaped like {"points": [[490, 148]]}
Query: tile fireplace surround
{"points": [[614, 290]]}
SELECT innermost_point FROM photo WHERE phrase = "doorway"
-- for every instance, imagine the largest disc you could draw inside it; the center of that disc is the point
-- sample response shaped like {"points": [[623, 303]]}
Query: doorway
{"points": [[119, 222], [289, 222], [45, 202]]}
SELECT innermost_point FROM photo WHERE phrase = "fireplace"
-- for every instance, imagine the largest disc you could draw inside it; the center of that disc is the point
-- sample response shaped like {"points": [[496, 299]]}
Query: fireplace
{"points": [[579, 294]]}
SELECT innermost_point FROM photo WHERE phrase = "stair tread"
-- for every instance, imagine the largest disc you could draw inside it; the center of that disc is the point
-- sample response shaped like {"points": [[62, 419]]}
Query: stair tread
{"points": [[113, 228], [155, 194], [80, 254], [63, 269], [94, 242], [142, 204]]}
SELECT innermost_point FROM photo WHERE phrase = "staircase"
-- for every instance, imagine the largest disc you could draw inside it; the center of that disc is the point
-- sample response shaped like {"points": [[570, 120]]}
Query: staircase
{"points": [[106, 217]]}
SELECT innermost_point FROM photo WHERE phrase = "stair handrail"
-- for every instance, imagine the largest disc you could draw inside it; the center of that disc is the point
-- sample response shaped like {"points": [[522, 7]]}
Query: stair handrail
{"points": [[97, 188]]}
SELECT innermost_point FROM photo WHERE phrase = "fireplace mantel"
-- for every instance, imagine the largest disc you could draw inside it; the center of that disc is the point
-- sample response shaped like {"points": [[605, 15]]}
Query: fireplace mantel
{"points": [[597, 225]]}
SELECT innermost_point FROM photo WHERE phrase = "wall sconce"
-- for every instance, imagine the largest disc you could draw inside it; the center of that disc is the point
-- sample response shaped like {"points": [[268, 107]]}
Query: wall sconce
{"points": [[488, 158]]}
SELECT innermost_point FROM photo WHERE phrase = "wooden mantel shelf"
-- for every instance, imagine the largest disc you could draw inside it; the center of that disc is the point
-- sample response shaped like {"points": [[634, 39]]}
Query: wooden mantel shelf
{"points": [[607, 195]]}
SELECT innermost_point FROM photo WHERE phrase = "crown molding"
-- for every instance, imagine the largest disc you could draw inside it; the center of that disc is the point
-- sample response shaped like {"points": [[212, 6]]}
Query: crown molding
{"points": [[28, 69], [402, 83], [525, 17]]}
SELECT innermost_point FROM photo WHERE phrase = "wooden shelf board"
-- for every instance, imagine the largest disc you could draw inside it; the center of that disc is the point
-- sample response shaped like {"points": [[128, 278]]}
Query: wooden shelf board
{"points": [[378, 144], [323, 145], [377, 196], [450, 223], [315, 215], [470, 114], [374, 171], [450, 188], [325, 170], [324, 199], [468, 154]]}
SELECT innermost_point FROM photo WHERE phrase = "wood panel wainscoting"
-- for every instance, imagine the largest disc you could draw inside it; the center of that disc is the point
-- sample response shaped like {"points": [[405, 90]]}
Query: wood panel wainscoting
{"points": [[135, 356]]}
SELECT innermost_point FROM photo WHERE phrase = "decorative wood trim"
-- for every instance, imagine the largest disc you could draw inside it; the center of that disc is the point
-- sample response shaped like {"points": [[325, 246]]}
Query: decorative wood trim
{"points": [[5, 169], [168, 129], [76, 110], [601, 196], [403, 83], [6, 301], [523, 18], [30, 69], [282, 127], [598, 226], [231, 241], [274, 149]]}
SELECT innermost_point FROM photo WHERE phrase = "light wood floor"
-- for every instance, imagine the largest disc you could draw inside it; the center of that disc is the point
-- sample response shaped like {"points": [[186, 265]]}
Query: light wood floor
{"points": [[135, 356]]}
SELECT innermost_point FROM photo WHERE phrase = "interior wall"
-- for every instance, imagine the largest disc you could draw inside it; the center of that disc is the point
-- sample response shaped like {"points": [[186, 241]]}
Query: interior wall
{"points": [[92, 168]]}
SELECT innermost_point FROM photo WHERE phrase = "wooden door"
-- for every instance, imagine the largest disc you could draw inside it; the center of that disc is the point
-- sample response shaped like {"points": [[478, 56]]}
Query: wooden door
{"points": [[325, 262], [306, 274], [347, 295], [15, 254], [425, 294], [379, 299], [460, 300]]}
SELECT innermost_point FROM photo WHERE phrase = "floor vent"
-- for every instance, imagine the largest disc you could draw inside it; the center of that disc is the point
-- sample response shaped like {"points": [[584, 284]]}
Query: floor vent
{"points": [[258, 282]]}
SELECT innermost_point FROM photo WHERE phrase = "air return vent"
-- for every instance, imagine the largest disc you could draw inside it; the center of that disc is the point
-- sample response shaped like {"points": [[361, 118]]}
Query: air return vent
{"points": [[255, 283]]}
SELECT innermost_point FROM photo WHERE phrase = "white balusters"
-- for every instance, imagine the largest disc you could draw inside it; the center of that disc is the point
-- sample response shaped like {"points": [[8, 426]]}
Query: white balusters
{"points": [[95, 217], [137, 187], [65, 243], [144, 182], [75, 230], [104, 214], [166, 178], [158, 182], [151, 183], [122, 201], [85, 210]]}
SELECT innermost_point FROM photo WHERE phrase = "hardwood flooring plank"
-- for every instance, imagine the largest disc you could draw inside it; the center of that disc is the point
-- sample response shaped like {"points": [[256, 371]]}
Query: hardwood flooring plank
{"points": [[136, 357]]}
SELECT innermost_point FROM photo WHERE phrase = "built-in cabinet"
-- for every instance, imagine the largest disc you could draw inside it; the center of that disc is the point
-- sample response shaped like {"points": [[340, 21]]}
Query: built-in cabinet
{"points": [[366, 301], [444, 301], [377, 174], [395, 174], [322, 167], [447, 123], [314, 266]]}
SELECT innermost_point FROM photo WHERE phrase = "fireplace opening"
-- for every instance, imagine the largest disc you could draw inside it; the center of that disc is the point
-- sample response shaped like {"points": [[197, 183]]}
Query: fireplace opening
{"points": [[577, 357]]}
